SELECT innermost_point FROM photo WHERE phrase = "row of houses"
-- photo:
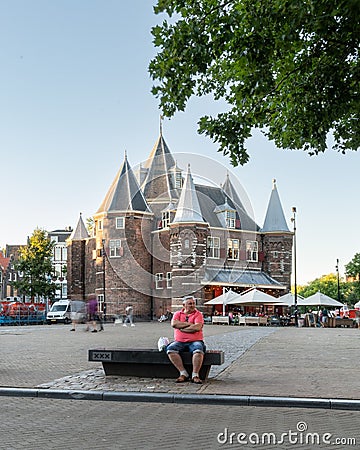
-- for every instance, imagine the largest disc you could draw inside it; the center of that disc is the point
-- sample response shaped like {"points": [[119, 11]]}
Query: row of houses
{"points": [[9, 274], [158, 235]]}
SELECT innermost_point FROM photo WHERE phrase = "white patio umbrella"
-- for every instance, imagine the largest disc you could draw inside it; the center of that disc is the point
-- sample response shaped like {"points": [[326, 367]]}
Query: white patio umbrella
{"points": [[319, 299], [223, 299], [289, 299], [357, 305], [254, 297]]}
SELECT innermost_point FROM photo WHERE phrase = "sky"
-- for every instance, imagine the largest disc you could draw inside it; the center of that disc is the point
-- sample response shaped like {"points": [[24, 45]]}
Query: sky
{"points": [[75, 94]]}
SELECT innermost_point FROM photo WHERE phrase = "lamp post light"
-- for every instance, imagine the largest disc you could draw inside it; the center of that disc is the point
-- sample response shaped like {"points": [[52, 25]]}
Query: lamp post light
{"points": [[293, 220], [338, 281]]}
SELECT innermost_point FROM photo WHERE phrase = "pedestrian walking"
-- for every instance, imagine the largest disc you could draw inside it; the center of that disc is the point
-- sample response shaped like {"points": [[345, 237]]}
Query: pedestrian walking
{"points": [[129, 316], [92, 308]]}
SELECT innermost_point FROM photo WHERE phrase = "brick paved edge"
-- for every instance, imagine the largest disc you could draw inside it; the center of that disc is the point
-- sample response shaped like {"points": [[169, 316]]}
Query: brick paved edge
{"points": [[214, 399]]}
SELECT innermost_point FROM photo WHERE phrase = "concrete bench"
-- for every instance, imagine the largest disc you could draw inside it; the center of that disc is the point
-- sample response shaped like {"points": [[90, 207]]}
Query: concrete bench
{"points": [[150, 363]]}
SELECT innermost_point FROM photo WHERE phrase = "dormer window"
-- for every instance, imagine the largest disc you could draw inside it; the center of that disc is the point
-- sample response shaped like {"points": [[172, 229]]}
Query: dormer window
{"points": [[230, 218], [176, 175], [178, 180], [226, 215]]}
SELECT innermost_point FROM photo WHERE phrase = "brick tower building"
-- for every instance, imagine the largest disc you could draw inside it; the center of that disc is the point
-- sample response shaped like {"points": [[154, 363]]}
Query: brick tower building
{"points": [[158, 236]]}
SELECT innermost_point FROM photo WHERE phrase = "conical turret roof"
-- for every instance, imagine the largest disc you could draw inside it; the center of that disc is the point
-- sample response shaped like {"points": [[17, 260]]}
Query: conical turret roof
{"points": [[124, 193], [275, 219], [159, 182], [188, 209], [80, 232]]}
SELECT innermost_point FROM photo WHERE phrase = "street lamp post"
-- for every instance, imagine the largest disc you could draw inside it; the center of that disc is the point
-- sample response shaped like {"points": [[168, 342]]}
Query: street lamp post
{"points": [[104, 278], [293, 220], [338, 281]]}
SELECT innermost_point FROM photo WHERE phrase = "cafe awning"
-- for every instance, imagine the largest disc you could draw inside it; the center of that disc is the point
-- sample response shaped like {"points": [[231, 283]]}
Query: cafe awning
{"points": [[240, 278]]}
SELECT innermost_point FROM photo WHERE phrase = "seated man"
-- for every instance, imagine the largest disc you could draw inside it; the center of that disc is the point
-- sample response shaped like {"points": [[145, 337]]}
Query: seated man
{"points": [[188, 324]]}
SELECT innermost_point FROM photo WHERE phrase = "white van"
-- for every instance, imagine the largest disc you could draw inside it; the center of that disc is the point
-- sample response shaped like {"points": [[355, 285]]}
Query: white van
{"points": [[59, 312]]}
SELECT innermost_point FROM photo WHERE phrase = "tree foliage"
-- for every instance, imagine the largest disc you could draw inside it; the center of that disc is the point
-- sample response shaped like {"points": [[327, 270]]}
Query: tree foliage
{"points": [[353, 267], [287, 67], [353, 270], [36, 266], [327, 284]]}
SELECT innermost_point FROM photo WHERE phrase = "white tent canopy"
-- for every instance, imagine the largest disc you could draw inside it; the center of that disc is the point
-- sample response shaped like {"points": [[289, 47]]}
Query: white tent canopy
{"points": [[289, 299], [223, 299], [319, 299], [254, 297]]}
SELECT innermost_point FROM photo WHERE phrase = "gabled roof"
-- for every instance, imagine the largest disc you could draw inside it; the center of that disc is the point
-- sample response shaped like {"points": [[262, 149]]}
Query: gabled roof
{"points": [[80, 231], [188, 209], [228, 187], [124, 193], [159, 183], [211, 198], [4, 262], [275, 219], [246, 222]]}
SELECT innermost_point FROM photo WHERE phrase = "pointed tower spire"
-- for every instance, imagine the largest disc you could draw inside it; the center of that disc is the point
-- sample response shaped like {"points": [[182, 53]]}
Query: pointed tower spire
{"points": [[275, 219], [161, 122], [124, 193], [80, 232], [159, 184], [188, 208]]}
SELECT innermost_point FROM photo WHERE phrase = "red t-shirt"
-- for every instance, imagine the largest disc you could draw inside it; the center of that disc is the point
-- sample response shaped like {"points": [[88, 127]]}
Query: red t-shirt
{"points": [[194, 317]]}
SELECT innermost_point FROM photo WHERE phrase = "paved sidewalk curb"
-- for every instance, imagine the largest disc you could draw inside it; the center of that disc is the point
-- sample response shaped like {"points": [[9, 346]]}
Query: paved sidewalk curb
{"points": [[229, 400]]}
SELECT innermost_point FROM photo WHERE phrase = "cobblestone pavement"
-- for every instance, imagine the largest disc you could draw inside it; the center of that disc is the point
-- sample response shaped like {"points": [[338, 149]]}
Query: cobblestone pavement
{"points": [[233, 341], [304, 362]]}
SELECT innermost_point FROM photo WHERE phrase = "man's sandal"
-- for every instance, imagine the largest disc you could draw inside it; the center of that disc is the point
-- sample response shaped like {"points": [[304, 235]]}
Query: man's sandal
{"points": [[182, 379], [196, 380]]}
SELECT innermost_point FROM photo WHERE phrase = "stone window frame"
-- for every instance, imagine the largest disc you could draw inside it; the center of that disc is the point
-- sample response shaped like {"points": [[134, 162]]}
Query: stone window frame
{"points": [[120, 220], [114, 248], [169, 280], [252, 251], [165, 219], [233, 251], [158, 280], [230, 218], [213, 247]]}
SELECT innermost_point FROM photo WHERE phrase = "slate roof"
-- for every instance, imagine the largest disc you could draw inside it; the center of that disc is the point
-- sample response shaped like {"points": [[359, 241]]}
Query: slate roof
{"points": [[246, 277], [275, 219], [188, 209], [124, 193], [210, 197], [158, 182], [80, 231], [4, 262]]}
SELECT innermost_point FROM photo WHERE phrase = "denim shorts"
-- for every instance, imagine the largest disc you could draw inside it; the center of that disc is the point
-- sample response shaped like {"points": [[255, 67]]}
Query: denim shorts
{"points": [[192, 347]]}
